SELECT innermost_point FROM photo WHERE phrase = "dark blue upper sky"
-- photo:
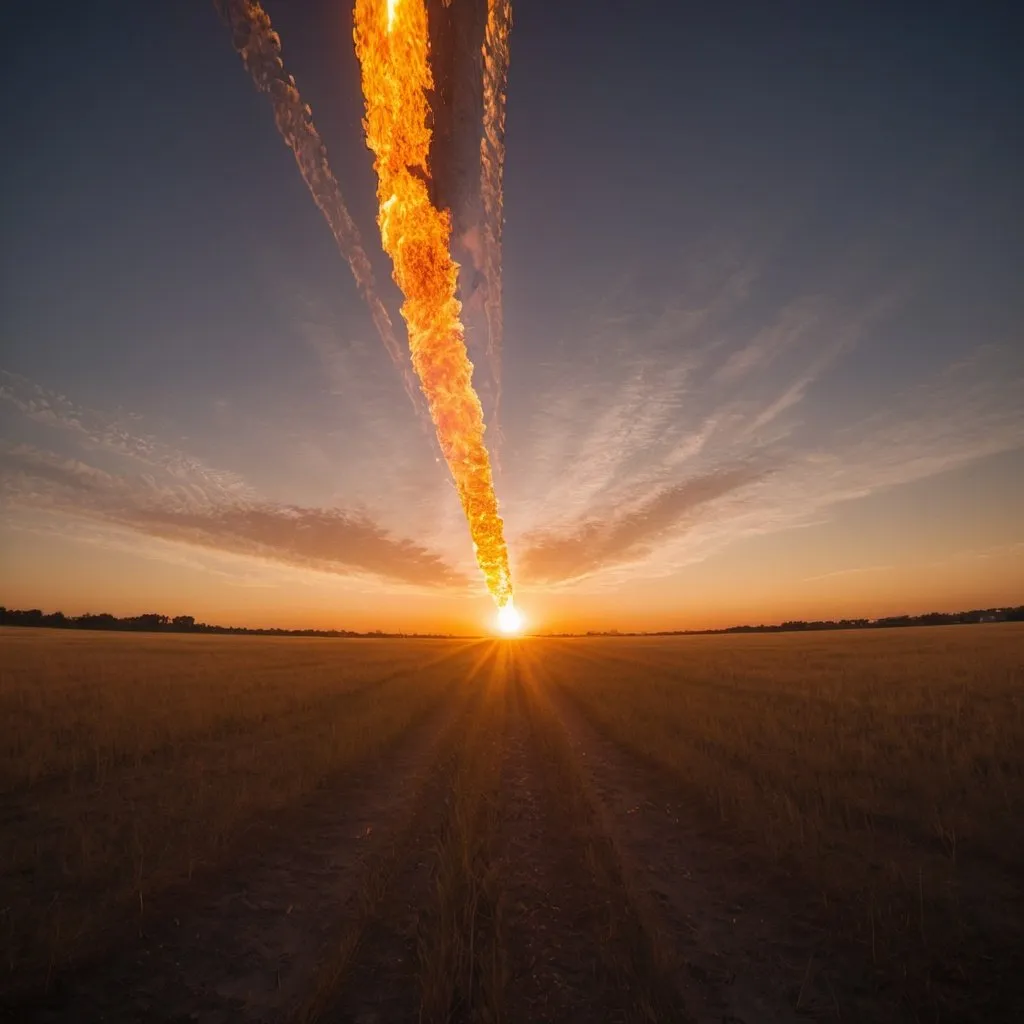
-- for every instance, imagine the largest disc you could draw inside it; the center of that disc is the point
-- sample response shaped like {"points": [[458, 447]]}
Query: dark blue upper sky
{"points": [[760, 225]]}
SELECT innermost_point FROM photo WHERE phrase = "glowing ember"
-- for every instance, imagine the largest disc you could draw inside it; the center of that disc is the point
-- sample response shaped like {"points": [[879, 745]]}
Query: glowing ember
{"points": [[391, 43], [509, 619]]}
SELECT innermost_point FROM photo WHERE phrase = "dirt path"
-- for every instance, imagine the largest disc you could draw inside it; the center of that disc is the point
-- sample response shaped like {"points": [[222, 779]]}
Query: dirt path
{"points": [[246, 945], [551, 910], [378, 981], [747, 947], [505, 906]]}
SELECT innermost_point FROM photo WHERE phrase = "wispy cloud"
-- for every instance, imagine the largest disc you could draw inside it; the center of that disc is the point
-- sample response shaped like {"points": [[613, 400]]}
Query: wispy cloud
{"points": [[662, 397], [117, 434], [857, 571], [182, 501], [659, 449], [622, 535], [616, 452], [794, 325]]}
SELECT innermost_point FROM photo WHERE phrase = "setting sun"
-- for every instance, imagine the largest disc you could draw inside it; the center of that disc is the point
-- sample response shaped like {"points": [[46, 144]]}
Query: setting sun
{"points": [[510, 621]]}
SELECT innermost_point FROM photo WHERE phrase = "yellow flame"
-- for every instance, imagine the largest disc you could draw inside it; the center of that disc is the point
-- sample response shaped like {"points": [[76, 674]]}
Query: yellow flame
{"points": [[392, 46]]}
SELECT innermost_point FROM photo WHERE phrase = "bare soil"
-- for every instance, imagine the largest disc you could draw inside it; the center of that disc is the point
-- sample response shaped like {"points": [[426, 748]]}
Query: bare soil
{"points": [[553, 909], [377, 979]]}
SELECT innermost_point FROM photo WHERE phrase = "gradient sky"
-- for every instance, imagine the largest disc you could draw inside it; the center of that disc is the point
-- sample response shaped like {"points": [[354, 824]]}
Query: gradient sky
{"points": [[764, 351]]}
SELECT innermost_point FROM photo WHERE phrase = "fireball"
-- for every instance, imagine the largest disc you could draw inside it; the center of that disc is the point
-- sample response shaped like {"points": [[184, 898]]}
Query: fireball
{"points": [[510, 621]]}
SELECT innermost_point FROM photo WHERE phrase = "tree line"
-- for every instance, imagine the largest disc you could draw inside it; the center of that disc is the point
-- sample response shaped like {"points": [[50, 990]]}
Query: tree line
{"points": [[1014, 614], [153, 622]]}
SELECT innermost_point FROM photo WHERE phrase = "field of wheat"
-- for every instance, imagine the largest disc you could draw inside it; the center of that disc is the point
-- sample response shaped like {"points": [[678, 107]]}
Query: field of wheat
{"points": [[685, 828]]}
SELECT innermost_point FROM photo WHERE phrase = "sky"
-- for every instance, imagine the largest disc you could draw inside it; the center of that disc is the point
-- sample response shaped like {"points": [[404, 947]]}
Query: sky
{"points": [[764, 329]]}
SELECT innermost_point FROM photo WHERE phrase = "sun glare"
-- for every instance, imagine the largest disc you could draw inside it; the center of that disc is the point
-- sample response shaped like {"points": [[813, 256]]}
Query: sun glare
{"points": [[510, 621]]}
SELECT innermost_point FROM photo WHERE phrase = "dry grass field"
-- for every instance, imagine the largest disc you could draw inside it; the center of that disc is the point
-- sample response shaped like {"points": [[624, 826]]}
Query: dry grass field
{"points": [[129, 762], [883, 771], [725, 828]]}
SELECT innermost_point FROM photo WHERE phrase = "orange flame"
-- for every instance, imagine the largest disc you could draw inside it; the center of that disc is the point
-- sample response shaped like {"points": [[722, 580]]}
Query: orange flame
{"points": [[391, 43]]}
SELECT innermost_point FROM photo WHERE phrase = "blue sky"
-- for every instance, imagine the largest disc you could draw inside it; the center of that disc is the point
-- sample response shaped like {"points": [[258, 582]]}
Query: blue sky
{"points": [[763, 350]]}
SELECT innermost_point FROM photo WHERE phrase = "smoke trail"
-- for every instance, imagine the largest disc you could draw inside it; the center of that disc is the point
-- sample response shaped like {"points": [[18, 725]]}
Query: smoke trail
{"points": [[259, 46], [391, 43], [495, 53]]}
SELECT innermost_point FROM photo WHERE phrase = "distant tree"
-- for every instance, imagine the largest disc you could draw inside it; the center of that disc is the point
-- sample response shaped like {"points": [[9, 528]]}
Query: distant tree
{"points": [[151, 621], [184, 623], [104, 620]]}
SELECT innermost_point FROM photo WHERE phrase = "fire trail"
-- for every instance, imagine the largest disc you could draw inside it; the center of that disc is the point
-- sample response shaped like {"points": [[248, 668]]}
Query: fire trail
{"points": [[392, 46]]}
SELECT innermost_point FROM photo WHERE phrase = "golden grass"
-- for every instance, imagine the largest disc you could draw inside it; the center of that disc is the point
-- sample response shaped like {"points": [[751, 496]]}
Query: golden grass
{"points": [[77, 704], [882, 770], [130, 762], [460, 970], [885, 769]]}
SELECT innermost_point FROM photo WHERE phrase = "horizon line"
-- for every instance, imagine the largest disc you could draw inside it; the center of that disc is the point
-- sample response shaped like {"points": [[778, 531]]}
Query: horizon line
{"points": [[157, 622]]}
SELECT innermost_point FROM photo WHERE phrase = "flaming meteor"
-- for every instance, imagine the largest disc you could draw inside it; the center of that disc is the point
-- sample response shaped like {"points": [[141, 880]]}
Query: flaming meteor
{"points": [[492, 170], [391, 43]]}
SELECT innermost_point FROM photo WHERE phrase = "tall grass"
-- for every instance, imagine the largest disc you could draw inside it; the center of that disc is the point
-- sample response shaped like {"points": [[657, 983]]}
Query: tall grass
{"points": [[460, 968], [885, 769], [130, 763]]}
